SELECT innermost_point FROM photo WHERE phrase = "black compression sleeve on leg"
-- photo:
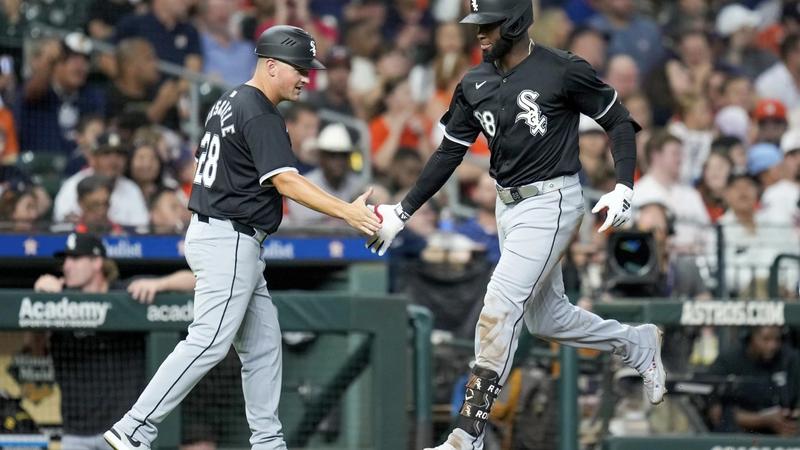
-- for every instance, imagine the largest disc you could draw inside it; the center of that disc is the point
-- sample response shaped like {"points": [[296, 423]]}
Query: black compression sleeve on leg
{"points": [[623, 148], [482, 389], [435, 174]]}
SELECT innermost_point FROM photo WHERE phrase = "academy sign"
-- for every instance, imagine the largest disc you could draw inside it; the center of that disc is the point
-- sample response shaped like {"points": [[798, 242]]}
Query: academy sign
{"points": [[63, 313], [732, 313], [171, 313]]}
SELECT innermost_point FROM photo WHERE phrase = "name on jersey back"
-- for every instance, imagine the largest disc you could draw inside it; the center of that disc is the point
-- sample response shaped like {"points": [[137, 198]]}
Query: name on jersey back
{"points": [[224, 110]]}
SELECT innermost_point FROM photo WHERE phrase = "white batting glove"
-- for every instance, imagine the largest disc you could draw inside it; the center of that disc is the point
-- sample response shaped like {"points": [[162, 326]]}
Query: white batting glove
{"points": [[393, 219], [618, 203]]}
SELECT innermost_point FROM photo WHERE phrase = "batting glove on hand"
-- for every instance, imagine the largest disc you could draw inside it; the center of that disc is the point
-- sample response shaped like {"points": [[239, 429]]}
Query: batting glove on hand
{"points": [[393, 219], [618, 203]]}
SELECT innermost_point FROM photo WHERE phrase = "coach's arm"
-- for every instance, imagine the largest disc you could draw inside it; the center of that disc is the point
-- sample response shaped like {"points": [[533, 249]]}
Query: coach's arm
{"points": [[300, 189]]}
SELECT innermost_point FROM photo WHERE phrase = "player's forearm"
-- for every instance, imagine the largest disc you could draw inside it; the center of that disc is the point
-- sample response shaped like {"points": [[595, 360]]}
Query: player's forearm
{"points": [[749, 420], [437, 171], [182, 280], [297, 187], [623, 149]]}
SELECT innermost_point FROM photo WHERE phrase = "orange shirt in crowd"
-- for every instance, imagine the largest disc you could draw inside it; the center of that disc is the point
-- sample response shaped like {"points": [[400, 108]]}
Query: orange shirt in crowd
{"points": [[379, 131], [9, 152]]}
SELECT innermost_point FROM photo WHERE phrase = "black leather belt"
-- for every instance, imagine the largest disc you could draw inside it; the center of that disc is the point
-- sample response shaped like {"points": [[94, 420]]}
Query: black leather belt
{"points": [[237, 226]]}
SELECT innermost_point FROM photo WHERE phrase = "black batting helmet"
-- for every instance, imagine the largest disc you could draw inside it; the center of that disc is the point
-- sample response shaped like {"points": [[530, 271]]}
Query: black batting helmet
{"points": [[516, 16], [289, 44]]}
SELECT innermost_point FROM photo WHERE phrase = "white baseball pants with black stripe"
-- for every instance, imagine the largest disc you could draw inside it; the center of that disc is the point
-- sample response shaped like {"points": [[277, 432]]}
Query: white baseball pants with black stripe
{"points": [[231, 306], [527, 286]]}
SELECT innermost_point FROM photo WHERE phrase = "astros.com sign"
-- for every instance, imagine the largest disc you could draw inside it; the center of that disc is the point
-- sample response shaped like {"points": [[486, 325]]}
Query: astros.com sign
{"points": [[732, 313]]}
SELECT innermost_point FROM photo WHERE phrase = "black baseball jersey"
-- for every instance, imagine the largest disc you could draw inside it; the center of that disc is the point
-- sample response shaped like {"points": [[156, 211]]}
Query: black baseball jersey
{"points": [[245, 143], [529, 114]]}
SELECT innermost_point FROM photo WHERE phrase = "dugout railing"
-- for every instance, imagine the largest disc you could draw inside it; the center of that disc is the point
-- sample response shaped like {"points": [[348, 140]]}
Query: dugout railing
{"points": [[379, 330]]}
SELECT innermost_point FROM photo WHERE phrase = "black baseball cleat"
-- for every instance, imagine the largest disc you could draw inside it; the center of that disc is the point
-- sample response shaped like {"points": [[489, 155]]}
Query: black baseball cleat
{"points": [[121, 441]]}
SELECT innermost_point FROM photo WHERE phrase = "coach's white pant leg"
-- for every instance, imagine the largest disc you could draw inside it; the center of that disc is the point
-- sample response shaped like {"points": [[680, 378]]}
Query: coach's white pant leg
{"points": [[226, 265], [552, 317], [258, 344]]}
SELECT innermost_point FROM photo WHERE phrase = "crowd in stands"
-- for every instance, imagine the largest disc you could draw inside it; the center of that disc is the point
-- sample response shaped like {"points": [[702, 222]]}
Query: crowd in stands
{"points": [[95, 136]]}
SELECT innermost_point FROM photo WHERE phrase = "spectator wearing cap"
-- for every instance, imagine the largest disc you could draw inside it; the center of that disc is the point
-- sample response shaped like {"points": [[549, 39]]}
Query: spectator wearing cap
{"points": [[166, 27], [336, 94], [136, 88], [734, 121], [631, 34], [334, 148], [662, 181], [770, 116], [57, 95], [779, 81], [753, 242], [226, 57], [790, 145], [128, 207], [780, 196], [737, 25], [113, 361]]}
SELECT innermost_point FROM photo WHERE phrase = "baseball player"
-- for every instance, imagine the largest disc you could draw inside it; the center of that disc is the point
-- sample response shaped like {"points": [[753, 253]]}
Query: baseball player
{"points": [[245, 165], [527, 100]]}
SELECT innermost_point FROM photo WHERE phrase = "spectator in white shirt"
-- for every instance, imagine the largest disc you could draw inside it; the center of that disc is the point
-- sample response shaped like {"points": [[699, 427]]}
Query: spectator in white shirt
{"points": [[333, 174], [779, 81], [790, 145], [662, 182], [779, 196], [695, 130], [128, 207], [751, 245]]}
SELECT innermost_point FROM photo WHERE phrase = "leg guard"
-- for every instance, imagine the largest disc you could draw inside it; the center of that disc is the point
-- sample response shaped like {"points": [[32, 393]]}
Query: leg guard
{"points": [[482, 388]]}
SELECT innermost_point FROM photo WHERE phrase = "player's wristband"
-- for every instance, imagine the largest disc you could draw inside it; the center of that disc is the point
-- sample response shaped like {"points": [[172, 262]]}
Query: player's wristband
{"points": [[404, 216]]}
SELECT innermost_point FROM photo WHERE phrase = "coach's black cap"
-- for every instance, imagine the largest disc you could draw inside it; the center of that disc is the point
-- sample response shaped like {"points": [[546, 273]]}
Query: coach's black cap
{"points": [[82, 244], [289, 44]]}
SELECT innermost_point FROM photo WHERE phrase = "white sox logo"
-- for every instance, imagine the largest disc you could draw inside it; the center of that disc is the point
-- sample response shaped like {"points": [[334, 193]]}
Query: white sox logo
{"points": [[475, 5], [313, 48], [530, 112]]}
